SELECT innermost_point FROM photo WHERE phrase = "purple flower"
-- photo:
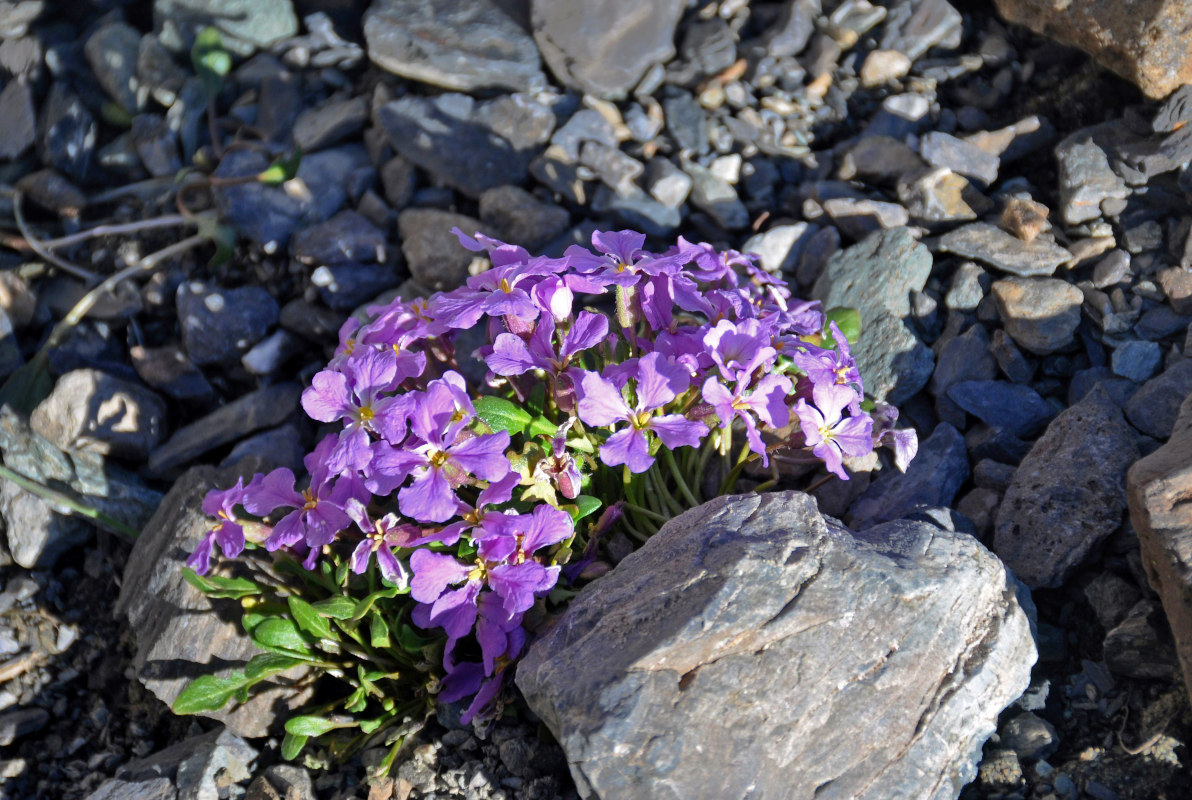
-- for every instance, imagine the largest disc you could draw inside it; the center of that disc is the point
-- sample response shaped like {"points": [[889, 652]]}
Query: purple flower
{"points": [[471, 517], [318, 513], [452, 609], [832, 435], [766, 400], [904, 441], [560, 467], [739, 348], [658, 382], [354, 396], [380, 537], [447, 455], [226, 530], [508, 546], [512, 356], [824, 366]]}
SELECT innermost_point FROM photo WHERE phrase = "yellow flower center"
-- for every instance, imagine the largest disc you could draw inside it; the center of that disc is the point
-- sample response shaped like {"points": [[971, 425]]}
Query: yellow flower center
{"points": [[366, 414], [311, 500], [505, 286], [438, 458], [479, 572]]}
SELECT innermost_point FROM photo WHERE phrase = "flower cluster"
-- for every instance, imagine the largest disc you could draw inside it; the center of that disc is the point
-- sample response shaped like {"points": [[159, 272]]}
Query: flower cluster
{"points": [[610, 376]]}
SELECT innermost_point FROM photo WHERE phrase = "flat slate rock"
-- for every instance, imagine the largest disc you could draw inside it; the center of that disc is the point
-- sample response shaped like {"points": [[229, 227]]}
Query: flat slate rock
{"points": [[586, 51], [243, 26], [896, 650], [177, 636], [445, 136], [1149, 49], [463, 45], [991, 245], [1157, 488], [1014, 407], [1153, 409], [1040, 314], [1068, 494]]}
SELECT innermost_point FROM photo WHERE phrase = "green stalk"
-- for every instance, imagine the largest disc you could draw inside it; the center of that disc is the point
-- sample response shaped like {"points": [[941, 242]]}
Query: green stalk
{"points": [[730, 480], [677, 474], [645, 512], [55, 496]]}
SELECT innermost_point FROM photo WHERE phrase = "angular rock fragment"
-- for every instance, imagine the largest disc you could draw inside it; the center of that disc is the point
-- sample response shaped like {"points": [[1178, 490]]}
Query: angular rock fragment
{"points": [[91, 410], [1068, 494], [937, 472], [1040, 314], [993, 246], [897, 647]]}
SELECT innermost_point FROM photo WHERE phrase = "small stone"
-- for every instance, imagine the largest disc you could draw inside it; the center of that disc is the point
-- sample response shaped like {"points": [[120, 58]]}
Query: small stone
{"points": [[1154, 407], [1136, 360], [1040, 314], [21, 722], [1013, 407], [619, 171], [158, 72], [883, 66], [1112, 269], [330, 123], [1086, 179], [938, 195], [1025, 218], [68, 132], [1140, 645], [219, 325], [1085, 380], [112, 52], [1010, 360], [585, 125], [170, 371], [346, 238], [685, 121], [462, 45], [343, 287], [1048, 523], [638, 210], [262, 408], [900, 116], [588, 53], [993, 475], [915, 27], [991, 245], [1111, 598], [858, 218], [51, 191], [521, 217], [793, 28], [667, 183], [91, 410], [1176, 283], [433, 253], [448, 137], [933, 478], [962, 358], [268, 450], [717, 198], [779, 248], [1030, 736], [18, 121], [881, 159], [179, 21], [968, 287], [269, 354], [944, 150]]}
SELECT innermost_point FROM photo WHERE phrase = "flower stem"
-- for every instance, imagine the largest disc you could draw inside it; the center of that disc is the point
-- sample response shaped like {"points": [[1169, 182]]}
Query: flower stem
{"points": [[677, 474], [55, 496]]}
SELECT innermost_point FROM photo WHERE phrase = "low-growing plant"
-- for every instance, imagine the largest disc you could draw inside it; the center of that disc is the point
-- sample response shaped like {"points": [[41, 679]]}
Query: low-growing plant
{"points": [[450, 516]]}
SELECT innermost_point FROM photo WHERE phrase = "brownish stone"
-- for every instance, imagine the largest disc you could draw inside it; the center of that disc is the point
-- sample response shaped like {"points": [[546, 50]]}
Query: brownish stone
{"points": [[1144, 41], [1024, 218], [1158, 488]]}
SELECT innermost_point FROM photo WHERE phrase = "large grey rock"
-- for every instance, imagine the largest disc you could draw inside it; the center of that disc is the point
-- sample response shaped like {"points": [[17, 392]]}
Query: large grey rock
{"points": [[91, 410], [933, 478], [178, 637], [1013, 407], [754, 648], [434, 255], [39, 531], [521, 218], [876, 276], [1158, 487], [194, 769], [462, 45], [244, 25], [604, 47], [1068, 494], [448, 137], [220, 325]]}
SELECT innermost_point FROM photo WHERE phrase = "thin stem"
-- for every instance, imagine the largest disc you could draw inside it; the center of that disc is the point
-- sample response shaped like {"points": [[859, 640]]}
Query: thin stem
{"points": [[730, 480], [646, 512], [677, 474], [55, 496], [167, 221], [38, 247]]}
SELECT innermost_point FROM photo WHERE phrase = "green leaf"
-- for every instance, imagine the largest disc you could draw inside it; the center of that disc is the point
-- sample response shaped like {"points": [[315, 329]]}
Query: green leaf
{"points": [[370, 725], [502, 415], [357, 701], [541, 426], [309, 619], [251, 619], [587, 505], [338, 607], [210, 60], [378, 631], [411, 641], [282, 169], [849, 322], [310, 725], [291, 746], [28, 385], [207, 693], [364, 605], [341, 574], [275, 633], [265, 664]]}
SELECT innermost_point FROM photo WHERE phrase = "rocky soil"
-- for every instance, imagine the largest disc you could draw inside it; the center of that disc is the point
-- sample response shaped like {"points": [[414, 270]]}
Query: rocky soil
{"points": [[1012, 220]]}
